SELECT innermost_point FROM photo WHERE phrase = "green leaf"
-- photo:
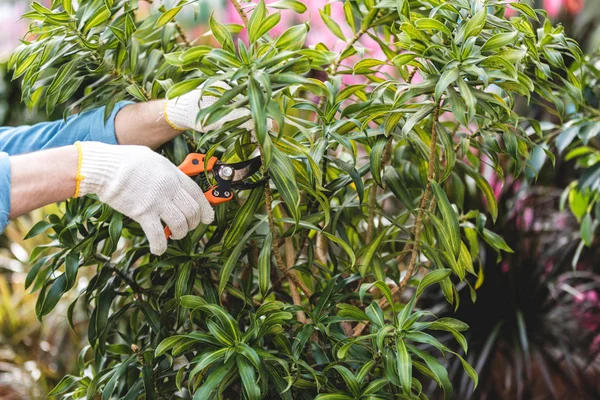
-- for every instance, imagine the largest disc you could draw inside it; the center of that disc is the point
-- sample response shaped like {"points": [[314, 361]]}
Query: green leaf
{"points": [[283, 174], [32, 274], [375, 387], [65, 384], [447, 78], [349, 15], [152, 316], [221, 33], [452, 323], [484, 186], [473, 26], [248, 375], [136, 92], [343, 245], [295, 5], [403, 59], [500, 40], [468, 97], [432, 24], [115, 227], [167, 344], [587, 230], [264, 264], [333, 396], [349, 312], [376, 158], [438, 370], [525, 9], [257, 19], [148, 379], [233, 258], [385, 290], [349, 378], [167, 16], [370, 250], [65, 73], [258, 109], [269, 23], [431, 278], [184, 87], [332, 25], [293, 38], [57, 289], [100, 16], [110, 387], [214, 379], [496, 241], [398, 187], [424, 111], [465, 261], [243, 218], [404, 363], [71, 267], [469, 370], [39, 228], [403, 9], [192, 302], [449, 217]]}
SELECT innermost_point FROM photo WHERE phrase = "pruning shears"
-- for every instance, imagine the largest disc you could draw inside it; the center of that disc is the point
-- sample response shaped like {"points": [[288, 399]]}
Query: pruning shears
{"points": [[228, 177]]}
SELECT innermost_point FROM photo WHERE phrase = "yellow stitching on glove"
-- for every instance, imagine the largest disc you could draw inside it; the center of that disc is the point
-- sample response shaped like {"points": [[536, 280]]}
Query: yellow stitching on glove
{"points": [[172, 125], [78, 176]]}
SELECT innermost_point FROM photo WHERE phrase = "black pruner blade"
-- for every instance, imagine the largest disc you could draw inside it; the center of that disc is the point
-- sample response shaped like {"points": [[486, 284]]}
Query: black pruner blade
{"points": [[234, 175]]}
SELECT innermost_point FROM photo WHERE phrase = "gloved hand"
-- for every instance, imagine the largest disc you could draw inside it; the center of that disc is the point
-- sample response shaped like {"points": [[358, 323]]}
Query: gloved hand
{"points": [[181, 112], [144, 186]]}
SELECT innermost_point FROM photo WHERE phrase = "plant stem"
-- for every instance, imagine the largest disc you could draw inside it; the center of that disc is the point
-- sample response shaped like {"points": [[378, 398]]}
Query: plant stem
{"points": [[131, 81], [424, 202], [137, 289], [418, 224], [238, 8], [374, 189], [182, 35], [291, 275], [289, 260], [180, 30], [338, 60]]}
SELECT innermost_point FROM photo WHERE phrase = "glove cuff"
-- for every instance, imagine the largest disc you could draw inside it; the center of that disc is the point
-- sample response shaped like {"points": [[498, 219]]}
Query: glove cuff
{"points": [[97, 165], [181, 112]]}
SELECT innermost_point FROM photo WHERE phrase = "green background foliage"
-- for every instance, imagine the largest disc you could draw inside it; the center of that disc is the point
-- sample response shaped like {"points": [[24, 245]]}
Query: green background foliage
{"points": [[309, 287]]}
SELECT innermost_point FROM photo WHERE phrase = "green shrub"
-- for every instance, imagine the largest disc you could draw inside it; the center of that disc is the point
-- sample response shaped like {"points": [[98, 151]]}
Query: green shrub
{"points": [[287, 295]]}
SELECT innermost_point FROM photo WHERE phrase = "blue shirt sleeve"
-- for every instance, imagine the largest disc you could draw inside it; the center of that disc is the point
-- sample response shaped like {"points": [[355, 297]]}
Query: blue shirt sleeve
{"points": [[89, 126]]}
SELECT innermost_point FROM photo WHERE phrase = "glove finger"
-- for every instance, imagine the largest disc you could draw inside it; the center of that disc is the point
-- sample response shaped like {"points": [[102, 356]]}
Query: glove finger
{"points": [[190, 209], [207, 214], [155, 233], [176, 221]]}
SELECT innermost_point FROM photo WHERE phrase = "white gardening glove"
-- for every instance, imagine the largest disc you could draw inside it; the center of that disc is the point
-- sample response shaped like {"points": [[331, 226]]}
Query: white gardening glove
{"points": [[144, 186], [181, 112]]}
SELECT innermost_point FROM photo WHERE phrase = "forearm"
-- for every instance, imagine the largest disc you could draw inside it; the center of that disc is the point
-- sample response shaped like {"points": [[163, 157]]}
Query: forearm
{"points": [[141, 124], [42, 178]]}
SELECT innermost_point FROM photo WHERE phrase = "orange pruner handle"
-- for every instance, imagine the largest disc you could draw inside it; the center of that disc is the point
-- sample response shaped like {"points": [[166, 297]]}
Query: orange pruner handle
{"points": [[194, 164]]}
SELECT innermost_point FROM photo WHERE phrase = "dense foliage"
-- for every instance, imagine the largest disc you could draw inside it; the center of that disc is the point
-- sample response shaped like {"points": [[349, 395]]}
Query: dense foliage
{"points": [[299, 289]]}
